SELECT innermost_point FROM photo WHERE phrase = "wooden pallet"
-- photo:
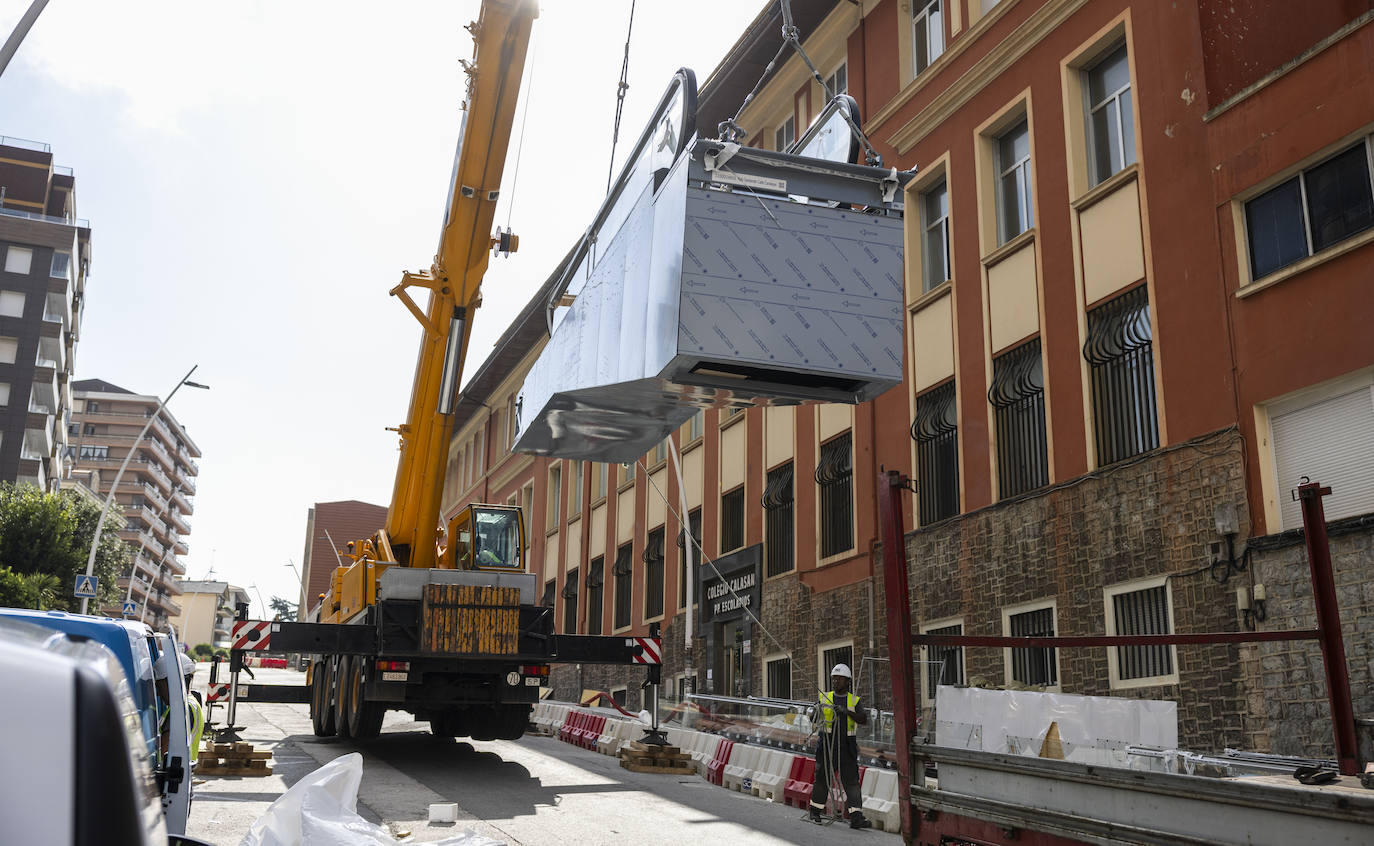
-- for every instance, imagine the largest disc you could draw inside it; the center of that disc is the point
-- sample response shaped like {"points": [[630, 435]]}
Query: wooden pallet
{"points": [[645, 758], [233, 759]]}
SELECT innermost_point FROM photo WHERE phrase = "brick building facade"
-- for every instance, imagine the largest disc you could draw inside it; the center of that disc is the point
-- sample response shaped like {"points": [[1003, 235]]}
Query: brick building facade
{"points": [[1136, 317]]}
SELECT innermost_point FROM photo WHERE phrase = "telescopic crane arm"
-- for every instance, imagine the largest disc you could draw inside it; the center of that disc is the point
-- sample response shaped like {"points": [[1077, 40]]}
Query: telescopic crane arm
{"points": [[501, 38]]}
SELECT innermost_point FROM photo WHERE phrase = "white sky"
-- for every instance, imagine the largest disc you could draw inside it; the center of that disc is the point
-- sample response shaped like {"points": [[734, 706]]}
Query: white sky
{"points": [[258, 174]]}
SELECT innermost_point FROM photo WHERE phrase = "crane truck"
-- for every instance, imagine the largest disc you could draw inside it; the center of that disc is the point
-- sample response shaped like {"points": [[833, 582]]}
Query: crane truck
{"points": [[440, 621]]}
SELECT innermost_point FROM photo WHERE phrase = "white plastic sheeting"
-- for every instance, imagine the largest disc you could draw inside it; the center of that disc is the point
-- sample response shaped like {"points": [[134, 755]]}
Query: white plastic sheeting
{"points": [[322, 810], [1091, 729]]}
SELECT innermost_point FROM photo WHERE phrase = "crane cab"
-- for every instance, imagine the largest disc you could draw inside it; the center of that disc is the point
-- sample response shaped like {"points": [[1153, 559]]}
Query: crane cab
{"points": [[487, 537]]}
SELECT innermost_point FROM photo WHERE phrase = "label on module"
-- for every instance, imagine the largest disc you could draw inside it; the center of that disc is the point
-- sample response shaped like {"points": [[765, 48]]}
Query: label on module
{"points": [[394, 676], [749, 180]]}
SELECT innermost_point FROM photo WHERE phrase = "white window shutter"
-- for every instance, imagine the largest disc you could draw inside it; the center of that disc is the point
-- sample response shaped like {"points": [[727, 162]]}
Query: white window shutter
{"points": [[1330, 442]]}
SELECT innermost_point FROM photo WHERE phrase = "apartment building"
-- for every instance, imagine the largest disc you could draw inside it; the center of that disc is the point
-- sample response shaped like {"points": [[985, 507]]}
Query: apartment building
{"points": [[207, 612], [155, 492], [1135, 248], [45, 254]]}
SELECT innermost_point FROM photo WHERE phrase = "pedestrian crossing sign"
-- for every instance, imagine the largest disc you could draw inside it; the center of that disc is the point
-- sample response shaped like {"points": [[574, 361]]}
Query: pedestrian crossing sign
{"points": [[130, 607], [85, 587]]}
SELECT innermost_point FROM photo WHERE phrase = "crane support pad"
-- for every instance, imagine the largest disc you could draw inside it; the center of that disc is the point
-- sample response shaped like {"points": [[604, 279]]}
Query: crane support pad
{"points": [[332, 638]]}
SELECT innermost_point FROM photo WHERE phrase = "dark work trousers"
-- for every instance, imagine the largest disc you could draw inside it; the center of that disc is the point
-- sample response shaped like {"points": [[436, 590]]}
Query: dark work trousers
{"points": [[849, 771]]}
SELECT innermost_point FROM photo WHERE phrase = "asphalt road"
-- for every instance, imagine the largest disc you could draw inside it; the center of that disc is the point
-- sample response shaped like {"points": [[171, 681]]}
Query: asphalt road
{"points": [[535, 791]]}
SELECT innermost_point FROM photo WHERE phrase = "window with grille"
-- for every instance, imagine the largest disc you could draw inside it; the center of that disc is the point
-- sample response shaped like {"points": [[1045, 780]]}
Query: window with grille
{"points": [[935, 240], [1018, 399], [927, 32], [835, 476], [570, 603], [653, 574], [1122, 371], [936, 433], [549, 590], [618, 695], [779, 546], [1142, 612], [1033, 665], [947, 662], [694, 520], [832, 655], [732, 520], [1315, 209], [624, 576], [1014, 206], [1111, 125], [595, 580], [778, 681]]}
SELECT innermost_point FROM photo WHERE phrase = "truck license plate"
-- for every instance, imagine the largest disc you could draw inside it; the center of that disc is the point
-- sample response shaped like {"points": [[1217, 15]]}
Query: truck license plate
{"points": [[393, 677], [532, 681]]}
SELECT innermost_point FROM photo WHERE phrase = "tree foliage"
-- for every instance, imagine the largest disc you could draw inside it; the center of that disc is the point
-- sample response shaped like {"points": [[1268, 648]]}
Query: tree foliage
{"points": [[284, 609], [44, 540]]}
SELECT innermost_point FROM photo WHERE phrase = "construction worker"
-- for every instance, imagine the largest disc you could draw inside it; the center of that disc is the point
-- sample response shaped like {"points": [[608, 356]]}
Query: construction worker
{"points": [[195, 713], [837, 748]]}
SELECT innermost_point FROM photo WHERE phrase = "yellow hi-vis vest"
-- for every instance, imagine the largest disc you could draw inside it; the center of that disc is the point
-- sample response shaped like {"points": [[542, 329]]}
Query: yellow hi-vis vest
{"points": [[828, 710], [197, 724]]}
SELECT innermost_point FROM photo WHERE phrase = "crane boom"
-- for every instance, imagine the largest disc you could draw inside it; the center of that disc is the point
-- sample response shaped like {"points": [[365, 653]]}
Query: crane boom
{"points": [[501, 38]]}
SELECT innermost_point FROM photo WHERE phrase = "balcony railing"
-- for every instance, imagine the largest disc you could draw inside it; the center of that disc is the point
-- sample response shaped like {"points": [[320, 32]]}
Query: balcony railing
{"points": [[25, 144], [46, 218], [63, 170]]}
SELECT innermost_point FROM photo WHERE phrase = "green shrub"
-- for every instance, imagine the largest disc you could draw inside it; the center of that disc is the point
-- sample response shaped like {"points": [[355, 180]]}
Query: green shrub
{"points": [[203, 651]]}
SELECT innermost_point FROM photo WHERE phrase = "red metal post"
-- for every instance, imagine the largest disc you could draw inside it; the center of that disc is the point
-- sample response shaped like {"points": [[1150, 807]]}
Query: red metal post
{"points": [[1329, 624], [898, 602]]}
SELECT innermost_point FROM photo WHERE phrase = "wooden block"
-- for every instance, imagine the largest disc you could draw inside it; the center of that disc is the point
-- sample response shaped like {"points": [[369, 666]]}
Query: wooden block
{"points": [[243, 747], [261, 756], [644, 768]]}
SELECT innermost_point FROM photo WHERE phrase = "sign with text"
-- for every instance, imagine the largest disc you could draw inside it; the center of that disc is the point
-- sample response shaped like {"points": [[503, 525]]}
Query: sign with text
{"points": [[731, 589]]}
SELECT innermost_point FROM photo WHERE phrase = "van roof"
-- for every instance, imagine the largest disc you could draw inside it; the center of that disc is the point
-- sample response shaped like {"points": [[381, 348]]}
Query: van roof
{"points": [[123, 637]]}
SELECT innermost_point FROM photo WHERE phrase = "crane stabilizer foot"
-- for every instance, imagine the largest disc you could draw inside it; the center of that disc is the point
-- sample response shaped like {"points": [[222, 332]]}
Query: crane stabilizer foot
{"points": [[654, 737]]}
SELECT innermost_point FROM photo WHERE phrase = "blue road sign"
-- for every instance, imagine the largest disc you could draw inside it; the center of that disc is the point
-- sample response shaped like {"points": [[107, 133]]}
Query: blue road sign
{"points": [[130, 608], [86, 587]]}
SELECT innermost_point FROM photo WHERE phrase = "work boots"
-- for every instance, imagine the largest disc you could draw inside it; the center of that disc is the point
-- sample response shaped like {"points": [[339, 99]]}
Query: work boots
{"points": [[816, 815], [858, 820]]}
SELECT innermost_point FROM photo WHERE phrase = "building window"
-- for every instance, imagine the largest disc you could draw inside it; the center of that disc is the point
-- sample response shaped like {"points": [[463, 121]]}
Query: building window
{"points": [[512, 422], [1111, 126], [527, 503], [595, 581], [653, 574], [838, 82], [778, 519], [694, 427], [832, 654], [1018, 399], [95, 453], [9, 350], [835, 476], [1141, 612], [1318, 208], [627, 474], [935, 239], [599, 476], [693, 520], [575, 494], [785, 134], [1118, 351], [5, 396], [945, 663], [1033, 665], [778, 681], [732, 520], [624, 583], [570, 603], [90, 430], [11, 304], [61, 263], [936, 433], [1330, 439], [1014, 209], [18, 260], [660, 453], [927, 32], [547, 599], [555, 495]]}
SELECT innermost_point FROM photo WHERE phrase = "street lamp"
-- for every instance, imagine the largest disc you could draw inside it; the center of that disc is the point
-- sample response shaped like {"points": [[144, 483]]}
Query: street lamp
{"points": [[109, 498], [260, 602]]}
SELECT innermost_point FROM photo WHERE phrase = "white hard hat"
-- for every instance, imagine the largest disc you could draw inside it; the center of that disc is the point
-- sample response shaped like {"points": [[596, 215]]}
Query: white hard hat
{"points": [[188, 667], [842, 670]]}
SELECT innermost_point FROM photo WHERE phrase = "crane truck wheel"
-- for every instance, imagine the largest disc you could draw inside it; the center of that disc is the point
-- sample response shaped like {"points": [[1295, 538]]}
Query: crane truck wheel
{"points": [[341, 703], [364, 718], [321, 703], [445, 724]]}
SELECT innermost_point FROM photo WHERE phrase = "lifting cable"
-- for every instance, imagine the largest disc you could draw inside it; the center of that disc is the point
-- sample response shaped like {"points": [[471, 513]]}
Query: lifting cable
{"points": [[730, 130], [620, 96], [524, 121]]}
